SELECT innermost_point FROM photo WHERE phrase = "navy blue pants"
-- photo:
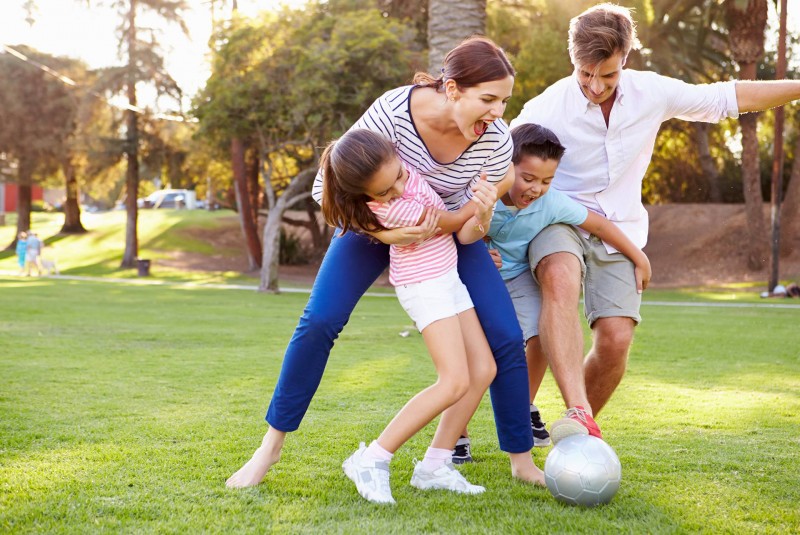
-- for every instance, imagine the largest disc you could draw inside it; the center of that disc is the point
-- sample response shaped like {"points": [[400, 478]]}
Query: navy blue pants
{"points": [[350, 266]]}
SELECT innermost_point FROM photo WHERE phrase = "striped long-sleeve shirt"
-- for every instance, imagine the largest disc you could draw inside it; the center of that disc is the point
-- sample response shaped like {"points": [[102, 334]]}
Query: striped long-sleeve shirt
{"points": [[390, 116], [421, 261]]}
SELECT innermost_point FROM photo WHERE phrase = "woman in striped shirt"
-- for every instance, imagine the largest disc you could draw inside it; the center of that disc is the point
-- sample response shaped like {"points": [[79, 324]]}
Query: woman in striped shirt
{"points": [[367, 186], [450, 130]]}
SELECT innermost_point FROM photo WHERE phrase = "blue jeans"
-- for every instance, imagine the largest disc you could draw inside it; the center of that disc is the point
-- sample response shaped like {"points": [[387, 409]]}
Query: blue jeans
{"points": [[350, 266]]}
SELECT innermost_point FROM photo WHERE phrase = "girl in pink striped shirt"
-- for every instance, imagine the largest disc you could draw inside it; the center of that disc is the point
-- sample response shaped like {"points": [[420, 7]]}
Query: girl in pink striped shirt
{"points": [[367, 187]]}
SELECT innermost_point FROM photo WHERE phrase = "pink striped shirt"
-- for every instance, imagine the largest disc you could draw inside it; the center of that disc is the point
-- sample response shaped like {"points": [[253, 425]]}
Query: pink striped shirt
{"points": [[419, 261]]}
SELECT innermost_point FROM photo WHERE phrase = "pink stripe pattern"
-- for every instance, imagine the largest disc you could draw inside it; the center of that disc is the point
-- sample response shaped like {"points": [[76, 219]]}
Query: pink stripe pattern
{"points": [[419, 261]]}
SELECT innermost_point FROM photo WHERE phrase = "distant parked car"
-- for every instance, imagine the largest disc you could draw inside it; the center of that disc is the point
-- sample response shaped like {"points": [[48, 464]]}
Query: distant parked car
{"points": [[169, 198]]}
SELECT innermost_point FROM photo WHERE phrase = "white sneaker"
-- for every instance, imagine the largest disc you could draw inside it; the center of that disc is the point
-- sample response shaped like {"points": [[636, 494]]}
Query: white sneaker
{"points": [[445, 478], [371, 477]]}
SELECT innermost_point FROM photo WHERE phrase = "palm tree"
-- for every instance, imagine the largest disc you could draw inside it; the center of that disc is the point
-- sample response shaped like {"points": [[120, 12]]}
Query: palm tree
{"points": [[747, 20], [449, 23]]}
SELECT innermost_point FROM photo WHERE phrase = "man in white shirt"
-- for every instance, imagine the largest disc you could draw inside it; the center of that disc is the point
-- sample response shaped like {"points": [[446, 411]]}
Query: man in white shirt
{"points": [[608, 119]]}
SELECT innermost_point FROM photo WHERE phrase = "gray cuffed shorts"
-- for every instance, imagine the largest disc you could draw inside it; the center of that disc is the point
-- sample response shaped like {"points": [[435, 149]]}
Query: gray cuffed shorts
{"points": [[609, 283], [527, 299]]}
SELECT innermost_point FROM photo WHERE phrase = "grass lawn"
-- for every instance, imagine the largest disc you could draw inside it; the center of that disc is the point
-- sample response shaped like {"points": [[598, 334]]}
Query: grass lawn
{"points": [[124, 408], [98, 253]]}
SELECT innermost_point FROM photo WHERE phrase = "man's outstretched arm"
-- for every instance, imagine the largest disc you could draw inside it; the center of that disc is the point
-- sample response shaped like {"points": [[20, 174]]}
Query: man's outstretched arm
{"points": [[759, 95]]}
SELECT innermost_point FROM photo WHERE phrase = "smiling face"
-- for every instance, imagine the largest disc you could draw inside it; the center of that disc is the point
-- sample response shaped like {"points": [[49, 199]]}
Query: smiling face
{"points": [[475, 108], [533, 176], [388, 182], [598, 82]]}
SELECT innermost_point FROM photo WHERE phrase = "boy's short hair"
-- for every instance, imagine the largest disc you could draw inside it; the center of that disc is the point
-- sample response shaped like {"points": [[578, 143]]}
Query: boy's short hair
{"points": [[535, 140]]}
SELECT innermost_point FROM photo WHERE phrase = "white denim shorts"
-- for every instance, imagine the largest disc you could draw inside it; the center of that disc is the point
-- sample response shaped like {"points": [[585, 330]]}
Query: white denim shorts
{"points": [[434, 299]]}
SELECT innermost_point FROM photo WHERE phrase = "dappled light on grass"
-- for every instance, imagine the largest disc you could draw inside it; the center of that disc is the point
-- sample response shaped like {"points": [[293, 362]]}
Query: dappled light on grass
{"points": [[128, 412]]}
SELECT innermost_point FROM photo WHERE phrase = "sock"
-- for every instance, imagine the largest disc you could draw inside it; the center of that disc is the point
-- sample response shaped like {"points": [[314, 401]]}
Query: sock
{"points": [[376, 452], [435, 458], [533, 408]]}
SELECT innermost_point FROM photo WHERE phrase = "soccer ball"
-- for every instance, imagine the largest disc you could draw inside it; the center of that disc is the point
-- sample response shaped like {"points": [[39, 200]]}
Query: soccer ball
{"points": [[582, 470]]}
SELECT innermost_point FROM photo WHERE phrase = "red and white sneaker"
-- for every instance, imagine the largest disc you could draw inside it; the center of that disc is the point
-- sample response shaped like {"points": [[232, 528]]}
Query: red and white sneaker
{"points": [[576, 421]]}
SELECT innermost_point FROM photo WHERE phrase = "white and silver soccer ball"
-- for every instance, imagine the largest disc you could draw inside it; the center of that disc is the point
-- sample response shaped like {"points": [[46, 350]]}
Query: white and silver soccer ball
{"points": [[582, 470]]}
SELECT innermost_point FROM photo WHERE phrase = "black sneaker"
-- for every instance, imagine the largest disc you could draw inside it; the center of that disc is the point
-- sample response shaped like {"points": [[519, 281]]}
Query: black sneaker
{"points": [[462, 452], [541, 438]]}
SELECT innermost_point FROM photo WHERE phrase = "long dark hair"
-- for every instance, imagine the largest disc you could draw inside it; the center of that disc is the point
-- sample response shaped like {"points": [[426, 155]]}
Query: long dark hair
{"points": [[476, 60], [348, 164]]}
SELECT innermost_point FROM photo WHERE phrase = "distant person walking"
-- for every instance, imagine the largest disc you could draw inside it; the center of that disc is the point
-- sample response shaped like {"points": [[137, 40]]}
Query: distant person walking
{"points": [[32, 252], [22, 248]]}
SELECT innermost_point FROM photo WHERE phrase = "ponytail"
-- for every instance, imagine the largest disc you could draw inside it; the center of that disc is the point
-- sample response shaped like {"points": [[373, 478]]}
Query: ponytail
{"points": [[347, 165]]}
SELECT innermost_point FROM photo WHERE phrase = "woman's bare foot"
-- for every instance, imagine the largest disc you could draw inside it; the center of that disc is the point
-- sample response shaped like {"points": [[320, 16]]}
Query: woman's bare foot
{"points": [[259, 464], [522, 467]]}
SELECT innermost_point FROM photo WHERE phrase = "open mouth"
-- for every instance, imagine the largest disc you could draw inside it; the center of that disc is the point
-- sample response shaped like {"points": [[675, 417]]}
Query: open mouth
{"points": [[480, 127]]}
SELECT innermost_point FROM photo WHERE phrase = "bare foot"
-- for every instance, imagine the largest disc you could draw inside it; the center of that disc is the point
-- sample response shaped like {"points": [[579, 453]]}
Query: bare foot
{"points": [[522, 468], [254, 470]]}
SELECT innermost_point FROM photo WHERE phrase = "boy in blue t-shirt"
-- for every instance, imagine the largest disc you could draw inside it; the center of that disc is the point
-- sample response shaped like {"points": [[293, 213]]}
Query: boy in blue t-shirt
{"points": [[519, 216]]}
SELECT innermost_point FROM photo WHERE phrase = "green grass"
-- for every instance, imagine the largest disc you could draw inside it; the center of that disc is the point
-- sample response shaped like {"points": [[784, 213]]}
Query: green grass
{"points": [[124, 408], [99, 252]]}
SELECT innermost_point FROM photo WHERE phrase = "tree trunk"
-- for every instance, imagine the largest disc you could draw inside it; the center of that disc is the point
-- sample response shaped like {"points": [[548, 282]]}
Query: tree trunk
{"points": [[449, 23], [746, 24], [72, 208], [293, 193], [707, 162], [24, 197], [757, 256], [253, 187], [243, 207], [132, 151], [790, 209], [319, 237], [777, 160], [272, 238]]}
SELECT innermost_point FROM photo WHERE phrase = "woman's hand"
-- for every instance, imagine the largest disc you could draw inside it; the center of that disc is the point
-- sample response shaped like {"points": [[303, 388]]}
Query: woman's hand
{"points": [[408, 235], [484, 194]]}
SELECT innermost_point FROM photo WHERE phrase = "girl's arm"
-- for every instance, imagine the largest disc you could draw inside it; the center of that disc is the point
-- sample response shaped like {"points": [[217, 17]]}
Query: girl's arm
{"points": [[610, 233], [484, 193], [432, 222], [427, 227]]}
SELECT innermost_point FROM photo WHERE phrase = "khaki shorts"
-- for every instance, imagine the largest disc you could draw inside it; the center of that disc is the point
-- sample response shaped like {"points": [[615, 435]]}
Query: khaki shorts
{"points": [[609, 283], [526, 297]]}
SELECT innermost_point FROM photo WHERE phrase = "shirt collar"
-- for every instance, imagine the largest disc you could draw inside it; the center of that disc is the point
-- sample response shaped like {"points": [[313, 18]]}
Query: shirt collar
{"points": [[535, 206]]}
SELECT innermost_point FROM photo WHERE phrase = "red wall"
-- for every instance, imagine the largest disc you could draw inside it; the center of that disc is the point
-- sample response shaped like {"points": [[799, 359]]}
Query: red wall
{"points": [[37, 194]]}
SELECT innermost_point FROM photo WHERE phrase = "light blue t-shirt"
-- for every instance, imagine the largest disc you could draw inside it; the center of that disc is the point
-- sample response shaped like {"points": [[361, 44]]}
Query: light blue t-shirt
{"points": [[511, 232]]}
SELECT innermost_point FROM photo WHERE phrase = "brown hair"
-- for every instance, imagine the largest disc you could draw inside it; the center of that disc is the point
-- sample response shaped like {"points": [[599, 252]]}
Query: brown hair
{"points": [[535, 140], [600, 32], [347, 165], [476, 60]]}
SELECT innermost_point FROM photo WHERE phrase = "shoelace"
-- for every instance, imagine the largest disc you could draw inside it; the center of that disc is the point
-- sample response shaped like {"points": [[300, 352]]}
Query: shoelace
{"points": [[457, 477], [580, 413], [536, 420], [383, 481]]}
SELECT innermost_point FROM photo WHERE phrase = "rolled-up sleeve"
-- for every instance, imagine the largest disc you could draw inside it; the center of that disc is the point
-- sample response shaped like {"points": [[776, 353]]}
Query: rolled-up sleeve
{"points": [[708, 103]]}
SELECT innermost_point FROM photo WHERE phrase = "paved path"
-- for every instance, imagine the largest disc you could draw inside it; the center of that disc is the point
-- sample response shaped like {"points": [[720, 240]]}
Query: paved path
{"points": [[253, 287]]}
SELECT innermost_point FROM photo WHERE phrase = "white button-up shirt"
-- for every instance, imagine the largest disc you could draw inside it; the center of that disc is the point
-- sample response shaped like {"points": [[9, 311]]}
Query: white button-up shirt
{"points": [[603, 167]]}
